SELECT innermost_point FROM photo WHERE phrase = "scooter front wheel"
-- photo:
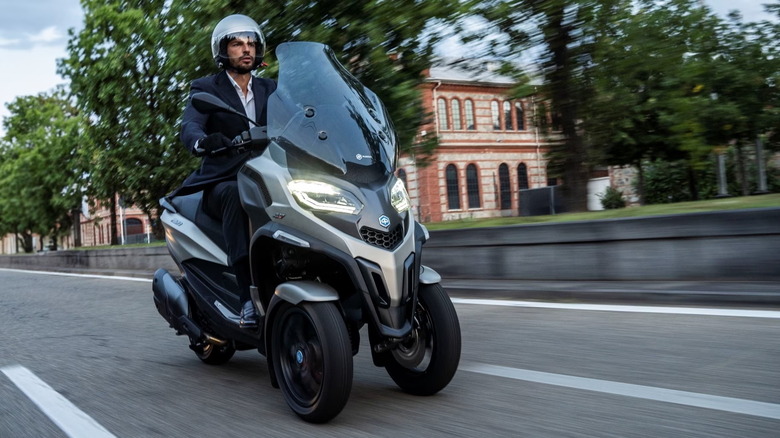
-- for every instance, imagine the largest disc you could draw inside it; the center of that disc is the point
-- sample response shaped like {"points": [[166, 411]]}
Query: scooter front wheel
{"points": [[312, 359], [426, 362]]}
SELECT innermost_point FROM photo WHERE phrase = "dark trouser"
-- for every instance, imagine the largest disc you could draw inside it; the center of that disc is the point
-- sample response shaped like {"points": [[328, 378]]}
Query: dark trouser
{"points": [[222, 202]]}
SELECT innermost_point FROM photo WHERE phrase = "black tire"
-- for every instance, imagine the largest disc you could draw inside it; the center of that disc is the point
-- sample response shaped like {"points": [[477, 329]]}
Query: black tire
{"points": [[215, 355], [312, 359], [426, 363]]}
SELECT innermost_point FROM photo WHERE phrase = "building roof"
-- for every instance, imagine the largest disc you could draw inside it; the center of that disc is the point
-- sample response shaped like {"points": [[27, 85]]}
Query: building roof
{"points": [[469, 71]]}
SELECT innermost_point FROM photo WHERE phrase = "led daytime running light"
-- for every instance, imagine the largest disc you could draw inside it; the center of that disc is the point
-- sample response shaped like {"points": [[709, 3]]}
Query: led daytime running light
{"points": [[320, 196], [399, 198]]}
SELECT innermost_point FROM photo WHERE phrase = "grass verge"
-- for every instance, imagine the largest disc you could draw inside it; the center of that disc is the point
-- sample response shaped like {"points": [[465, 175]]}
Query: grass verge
{"points": [[736, 203]]}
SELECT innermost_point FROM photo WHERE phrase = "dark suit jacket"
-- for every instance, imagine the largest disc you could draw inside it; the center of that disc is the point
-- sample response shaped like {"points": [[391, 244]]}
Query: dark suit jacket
{"points": [[196, 125]]}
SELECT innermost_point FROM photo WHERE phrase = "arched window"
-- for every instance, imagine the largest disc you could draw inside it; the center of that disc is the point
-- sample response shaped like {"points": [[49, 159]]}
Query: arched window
{"points": [[456, 124], [508, 116], [496, 116], [470, 125], [133, 226], [505, 187], [402, 177], [443, 124], [472, 186], [520, 115], [453, 192], [522, 176]]}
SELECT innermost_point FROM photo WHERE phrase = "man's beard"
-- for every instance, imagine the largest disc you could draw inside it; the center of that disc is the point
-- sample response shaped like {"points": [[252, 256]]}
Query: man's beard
{"points": [[240, 69]]}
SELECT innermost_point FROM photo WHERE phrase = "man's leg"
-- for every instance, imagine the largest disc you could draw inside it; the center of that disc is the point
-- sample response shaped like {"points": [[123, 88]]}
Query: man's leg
{"points": [[222, 201]]}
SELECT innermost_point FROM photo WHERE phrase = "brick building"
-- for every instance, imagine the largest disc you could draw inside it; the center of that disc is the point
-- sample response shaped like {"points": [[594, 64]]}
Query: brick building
{"points": [[489, 148]]}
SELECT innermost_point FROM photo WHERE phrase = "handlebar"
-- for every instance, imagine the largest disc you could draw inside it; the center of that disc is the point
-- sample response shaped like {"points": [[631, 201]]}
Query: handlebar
{"points": [[255, 138]]}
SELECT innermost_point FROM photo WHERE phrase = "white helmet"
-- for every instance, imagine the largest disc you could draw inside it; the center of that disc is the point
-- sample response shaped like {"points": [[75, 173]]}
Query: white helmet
{"points": [[231, 27]]}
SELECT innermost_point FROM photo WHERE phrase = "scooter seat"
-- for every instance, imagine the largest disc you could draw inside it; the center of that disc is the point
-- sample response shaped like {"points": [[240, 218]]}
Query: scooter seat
{"points": [[190, 207]]}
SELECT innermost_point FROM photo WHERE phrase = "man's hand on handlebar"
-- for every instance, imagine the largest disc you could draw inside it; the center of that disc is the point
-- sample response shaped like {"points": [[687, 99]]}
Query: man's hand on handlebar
{"points": [[212, 144]]}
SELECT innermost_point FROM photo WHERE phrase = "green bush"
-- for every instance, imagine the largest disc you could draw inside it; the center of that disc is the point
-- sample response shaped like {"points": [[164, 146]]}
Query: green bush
{"points": [[612, 198]]}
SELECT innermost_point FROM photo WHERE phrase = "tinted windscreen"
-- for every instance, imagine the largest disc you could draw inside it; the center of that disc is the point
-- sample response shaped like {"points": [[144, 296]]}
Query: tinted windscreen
{"points": [[321, 114]]}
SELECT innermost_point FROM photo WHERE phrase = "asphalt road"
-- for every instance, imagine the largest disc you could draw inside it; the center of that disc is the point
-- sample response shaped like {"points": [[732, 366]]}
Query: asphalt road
{"points": [[91, 357]]}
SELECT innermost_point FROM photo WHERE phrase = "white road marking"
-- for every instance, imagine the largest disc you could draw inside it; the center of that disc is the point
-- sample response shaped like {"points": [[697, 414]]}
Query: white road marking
{"points": [[67, 274], [727, 404], [701, 311], [69, 418], [624, 308]]}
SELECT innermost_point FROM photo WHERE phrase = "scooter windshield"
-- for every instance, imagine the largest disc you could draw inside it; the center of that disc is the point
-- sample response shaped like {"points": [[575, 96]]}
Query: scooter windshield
{"points": [[322, 116]]}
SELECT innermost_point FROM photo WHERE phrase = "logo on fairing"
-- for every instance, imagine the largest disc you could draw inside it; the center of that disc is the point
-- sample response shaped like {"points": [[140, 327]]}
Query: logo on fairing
{"points": [[384, 221]]}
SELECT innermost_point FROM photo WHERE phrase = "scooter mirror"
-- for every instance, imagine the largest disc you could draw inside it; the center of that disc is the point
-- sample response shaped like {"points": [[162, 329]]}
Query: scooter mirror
{"points": [[208, 103]]}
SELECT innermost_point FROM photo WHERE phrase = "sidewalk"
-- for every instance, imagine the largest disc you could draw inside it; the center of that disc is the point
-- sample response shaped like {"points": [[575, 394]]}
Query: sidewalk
{"points": [[737, 293]]}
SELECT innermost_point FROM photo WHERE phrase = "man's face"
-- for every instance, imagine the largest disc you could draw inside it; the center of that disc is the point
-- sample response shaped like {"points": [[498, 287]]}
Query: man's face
{"points": [[241, 51]]}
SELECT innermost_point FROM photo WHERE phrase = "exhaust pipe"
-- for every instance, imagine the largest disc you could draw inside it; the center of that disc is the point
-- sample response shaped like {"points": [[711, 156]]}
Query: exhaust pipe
{"points": [[172, 303]]}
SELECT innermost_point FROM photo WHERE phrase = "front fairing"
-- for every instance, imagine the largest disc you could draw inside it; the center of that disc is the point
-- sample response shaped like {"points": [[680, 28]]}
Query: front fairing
{"points": [[325, 120]]}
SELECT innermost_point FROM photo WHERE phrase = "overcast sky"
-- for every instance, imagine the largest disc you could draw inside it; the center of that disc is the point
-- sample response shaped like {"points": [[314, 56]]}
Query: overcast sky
{"points": [[34, 34]]}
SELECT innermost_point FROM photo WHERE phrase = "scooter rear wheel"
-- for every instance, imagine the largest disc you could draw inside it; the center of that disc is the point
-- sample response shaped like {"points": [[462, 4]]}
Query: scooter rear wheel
{"points": [[312, 359], [215, 355]]}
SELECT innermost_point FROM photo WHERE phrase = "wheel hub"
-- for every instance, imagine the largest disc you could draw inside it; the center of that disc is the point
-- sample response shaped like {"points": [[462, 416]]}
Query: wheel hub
{"points": [[299, 356]]}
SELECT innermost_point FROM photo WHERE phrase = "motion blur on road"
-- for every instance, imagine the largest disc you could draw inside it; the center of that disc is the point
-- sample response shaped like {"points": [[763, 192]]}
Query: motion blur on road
{"points": [[528, 369]]}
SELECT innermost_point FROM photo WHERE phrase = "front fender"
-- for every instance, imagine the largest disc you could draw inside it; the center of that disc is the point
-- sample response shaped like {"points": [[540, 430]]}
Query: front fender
{"points": [[296, 291], [429, 276]]}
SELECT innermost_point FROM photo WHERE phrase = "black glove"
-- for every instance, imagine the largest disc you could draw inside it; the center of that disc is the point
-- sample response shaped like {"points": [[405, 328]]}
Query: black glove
{"points": [[213, 142]]}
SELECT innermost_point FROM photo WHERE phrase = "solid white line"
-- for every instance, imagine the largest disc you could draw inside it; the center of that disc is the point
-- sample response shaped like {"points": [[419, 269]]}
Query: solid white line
{"points": [[62, 412], [624, 308], [728, 404], [68, 274]]}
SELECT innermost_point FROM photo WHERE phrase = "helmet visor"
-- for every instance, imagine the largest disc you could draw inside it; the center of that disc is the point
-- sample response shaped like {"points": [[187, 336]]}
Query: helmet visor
{"points": [[251, 37]]}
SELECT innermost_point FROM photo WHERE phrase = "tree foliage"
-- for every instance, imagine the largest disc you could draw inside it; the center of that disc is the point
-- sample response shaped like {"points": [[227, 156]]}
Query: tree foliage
{"points": [[120, 74], [563, 35], [40, 170]]}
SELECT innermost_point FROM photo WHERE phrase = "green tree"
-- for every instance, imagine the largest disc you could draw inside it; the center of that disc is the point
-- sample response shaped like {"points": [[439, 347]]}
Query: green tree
{"points": [[745, 96], [650, 85], [561, 35], [40, 173], [119, 73]]}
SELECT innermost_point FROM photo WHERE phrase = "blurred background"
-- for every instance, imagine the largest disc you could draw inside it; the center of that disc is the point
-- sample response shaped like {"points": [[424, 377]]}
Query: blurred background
{"points": [[503, 108]]}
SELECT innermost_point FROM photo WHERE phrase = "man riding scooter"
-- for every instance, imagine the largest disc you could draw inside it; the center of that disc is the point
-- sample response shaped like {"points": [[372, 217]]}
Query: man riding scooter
{"points": [[238, 47]]}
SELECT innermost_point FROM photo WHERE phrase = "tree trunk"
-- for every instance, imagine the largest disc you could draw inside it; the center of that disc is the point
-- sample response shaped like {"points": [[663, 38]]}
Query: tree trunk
{"points": [[693, 186], [640, 183], [113, 227], [741, 172], [77, 227], [564, 101]]}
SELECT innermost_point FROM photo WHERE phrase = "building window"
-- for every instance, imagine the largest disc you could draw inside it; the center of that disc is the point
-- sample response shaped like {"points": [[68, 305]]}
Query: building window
{"points": [[496, 116], [505, 189], [133, 226], [508, 116], [453, 192], [522, 177], [470, 115], [443, 124], [455, 104], [472, 186], [520, 115]]}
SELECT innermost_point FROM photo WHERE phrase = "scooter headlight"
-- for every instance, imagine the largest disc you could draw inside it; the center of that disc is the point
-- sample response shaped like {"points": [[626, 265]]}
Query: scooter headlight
{"points": [[320, 196], [399, 198]]}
